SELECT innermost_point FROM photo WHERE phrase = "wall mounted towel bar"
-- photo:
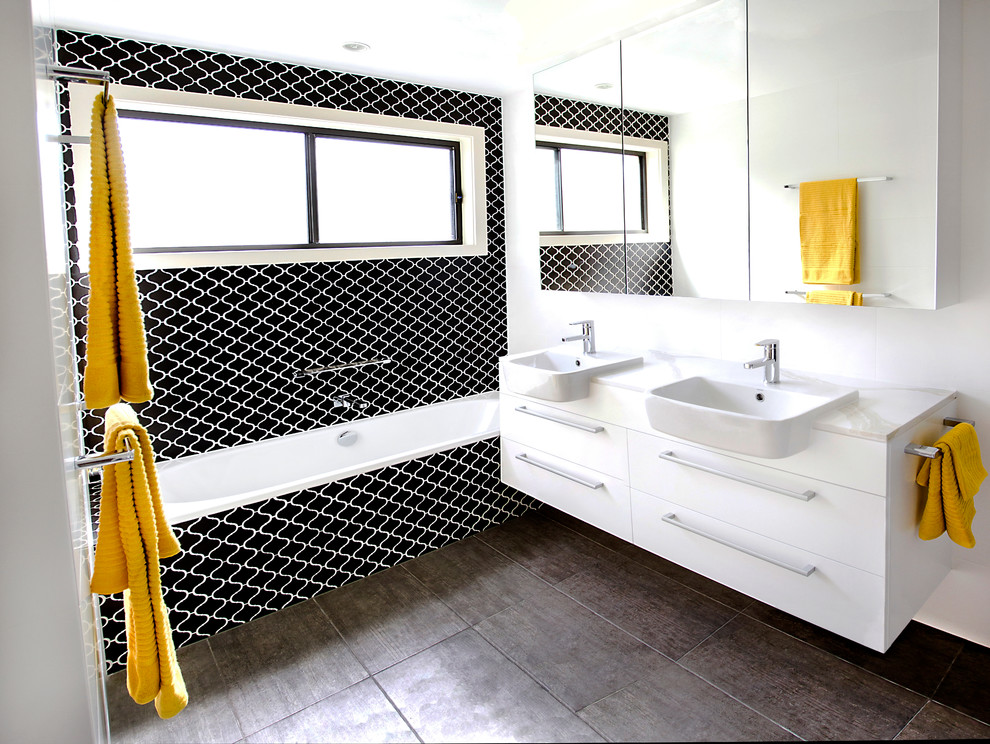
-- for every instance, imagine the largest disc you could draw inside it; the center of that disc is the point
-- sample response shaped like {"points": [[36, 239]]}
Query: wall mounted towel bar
{"points": [[926, 451], [81, 75], [802, 293], [858, 180], [313, 371], [98, 461]]}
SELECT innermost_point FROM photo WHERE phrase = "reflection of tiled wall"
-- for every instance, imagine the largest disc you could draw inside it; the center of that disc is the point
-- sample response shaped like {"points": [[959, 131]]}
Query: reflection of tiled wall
{"points": [[645, 268], [224, 343]]}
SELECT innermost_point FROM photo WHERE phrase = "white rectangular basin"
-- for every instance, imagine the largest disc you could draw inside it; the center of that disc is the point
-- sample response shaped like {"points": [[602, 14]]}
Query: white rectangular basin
{"points": [[558, 375], [762, 420]]}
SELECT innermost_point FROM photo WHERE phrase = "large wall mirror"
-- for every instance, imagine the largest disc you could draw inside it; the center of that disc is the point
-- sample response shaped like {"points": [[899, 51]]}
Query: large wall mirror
{"points": [[642, 148], [851, 89]]}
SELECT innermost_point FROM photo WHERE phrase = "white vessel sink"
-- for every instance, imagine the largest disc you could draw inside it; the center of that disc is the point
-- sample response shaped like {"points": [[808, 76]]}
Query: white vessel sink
{"points": [[759, 419], [558, 375]]}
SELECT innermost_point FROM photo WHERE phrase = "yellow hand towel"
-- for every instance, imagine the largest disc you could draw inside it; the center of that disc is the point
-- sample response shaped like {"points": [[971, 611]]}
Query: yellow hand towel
{"points": [[116, 350], [829, 232], [833, 297], [953, 478], [133, 536]]}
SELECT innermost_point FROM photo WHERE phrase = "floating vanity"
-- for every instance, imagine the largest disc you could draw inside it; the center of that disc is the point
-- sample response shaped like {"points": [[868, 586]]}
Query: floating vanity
{"points": [[825, 528]]}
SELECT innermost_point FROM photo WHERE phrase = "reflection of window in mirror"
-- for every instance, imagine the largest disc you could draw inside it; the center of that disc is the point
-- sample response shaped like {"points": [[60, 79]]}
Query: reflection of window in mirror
{"points": [[572, 200], [600, 187]]}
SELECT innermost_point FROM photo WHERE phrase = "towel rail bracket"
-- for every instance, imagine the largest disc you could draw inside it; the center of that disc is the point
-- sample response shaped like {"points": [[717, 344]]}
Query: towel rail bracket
{"points": [[98, 461]]}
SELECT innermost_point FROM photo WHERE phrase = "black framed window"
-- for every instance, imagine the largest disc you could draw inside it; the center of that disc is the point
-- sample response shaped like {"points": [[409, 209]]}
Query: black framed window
{"points": [[204, 183], [590, 190]]}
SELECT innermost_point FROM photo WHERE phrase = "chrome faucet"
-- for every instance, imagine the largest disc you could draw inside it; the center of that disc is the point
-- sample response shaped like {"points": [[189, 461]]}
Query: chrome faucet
{"points": [[587, 335], [348, 400], [770, 361]]}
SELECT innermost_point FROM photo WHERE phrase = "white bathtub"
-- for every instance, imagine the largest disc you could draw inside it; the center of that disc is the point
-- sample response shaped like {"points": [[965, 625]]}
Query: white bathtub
{"points": [[204, 484]]}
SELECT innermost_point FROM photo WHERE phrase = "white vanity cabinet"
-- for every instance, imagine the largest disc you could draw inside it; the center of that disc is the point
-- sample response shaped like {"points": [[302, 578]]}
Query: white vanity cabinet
{"points": [[828, 535], [574, 463]]}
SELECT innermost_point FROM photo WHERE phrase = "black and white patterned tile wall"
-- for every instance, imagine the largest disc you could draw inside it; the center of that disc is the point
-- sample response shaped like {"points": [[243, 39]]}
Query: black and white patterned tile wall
{"points": [[645, 267], [225, 345]]}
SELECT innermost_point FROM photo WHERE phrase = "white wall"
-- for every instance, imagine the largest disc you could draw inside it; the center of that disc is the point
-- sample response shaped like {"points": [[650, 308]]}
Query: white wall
{"points": [[44, 688], [946, 348]]}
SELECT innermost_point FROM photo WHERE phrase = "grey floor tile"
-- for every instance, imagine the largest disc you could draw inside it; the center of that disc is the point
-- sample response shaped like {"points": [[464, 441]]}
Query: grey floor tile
{"points": [[659, 611], [473, 579], [935, 722], [360, 713], [675, 705], [463, 690], [545, 547], [569, 650], [919, 659], [207, 718], [279, 664], [701, 584], [388, 617], [806, 690], [967, 685], [606, 539]]}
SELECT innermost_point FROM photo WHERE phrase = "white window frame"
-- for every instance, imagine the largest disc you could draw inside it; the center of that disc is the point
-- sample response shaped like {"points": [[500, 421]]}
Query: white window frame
{"points": [[657, 195], [470, 139]]}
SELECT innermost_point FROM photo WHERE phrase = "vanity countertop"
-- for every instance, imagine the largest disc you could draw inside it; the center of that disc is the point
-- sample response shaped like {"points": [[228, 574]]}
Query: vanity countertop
{"points": [[883, 408], [882, 411]]}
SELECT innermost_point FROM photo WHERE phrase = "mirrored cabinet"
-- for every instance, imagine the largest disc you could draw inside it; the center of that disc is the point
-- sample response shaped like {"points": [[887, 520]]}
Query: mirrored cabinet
{"points": [[670, 161]]}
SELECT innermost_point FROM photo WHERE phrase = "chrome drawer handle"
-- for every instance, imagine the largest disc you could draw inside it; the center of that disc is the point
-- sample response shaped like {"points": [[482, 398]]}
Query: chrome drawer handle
{"points": [[802, 496], [671, 518], [565, 422], [557, 471]]}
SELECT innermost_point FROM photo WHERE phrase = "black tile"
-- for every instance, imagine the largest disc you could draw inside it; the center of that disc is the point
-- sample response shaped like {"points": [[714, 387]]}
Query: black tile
{"points": [[543, 546], [571, 651], [207, 718], [388, 617], [918, 659], [804, 689], [473, 579], [282, 663], [936, 722], [464, 690], [967, 685], [668, 616], [674, 705], [359, 713]]}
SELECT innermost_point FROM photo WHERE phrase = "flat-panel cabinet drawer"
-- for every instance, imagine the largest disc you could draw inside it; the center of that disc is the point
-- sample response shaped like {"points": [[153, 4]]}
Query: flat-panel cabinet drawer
{"points": [[830, 594], [589, 495], [843, 524], [592, 443]]}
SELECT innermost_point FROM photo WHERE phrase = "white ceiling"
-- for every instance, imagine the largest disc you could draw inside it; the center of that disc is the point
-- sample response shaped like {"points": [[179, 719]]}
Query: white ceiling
{"points": [[464, 44], [489, 46]]}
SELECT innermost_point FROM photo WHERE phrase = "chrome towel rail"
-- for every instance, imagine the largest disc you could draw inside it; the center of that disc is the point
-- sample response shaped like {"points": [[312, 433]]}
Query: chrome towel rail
{"points": [[313, 371], [98, 461], [858, 180], [929, 452], [802, 293]]}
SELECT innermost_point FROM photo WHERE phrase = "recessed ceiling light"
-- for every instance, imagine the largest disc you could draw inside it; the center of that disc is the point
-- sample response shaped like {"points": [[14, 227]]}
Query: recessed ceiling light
{"points": [[356, 46], [604, 86]]}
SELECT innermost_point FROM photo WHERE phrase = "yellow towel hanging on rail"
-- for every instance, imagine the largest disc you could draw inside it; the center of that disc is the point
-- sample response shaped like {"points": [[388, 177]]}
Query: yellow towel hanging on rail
{"points": [[829, 232], [953, 479], [833, 297], [133, 536], [116, 350]]}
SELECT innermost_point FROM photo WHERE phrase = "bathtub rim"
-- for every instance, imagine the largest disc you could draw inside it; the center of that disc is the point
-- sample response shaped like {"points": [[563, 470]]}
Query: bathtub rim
{"points": [[185, 511]]}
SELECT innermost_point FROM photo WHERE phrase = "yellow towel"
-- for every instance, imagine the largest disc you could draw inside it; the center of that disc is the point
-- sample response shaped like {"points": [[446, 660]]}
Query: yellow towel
{"points": [[953, 478], [133, 536], [116, 351], [829, 232], [833, 297]]}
